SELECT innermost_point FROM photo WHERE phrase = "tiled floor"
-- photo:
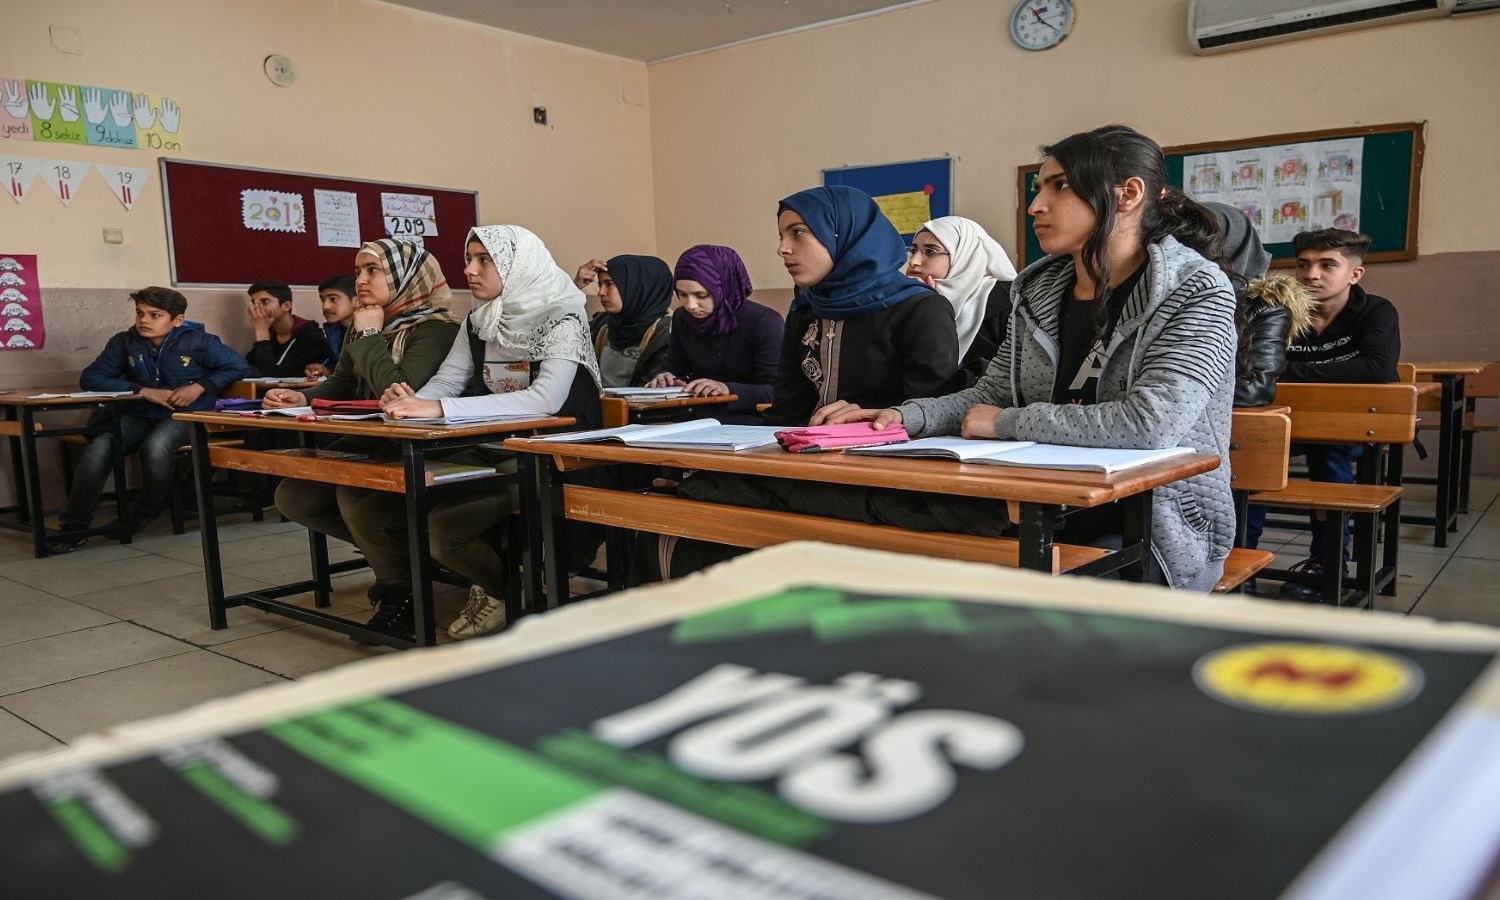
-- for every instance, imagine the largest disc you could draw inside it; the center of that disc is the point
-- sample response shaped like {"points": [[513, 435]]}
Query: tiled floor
{"points": [[112, 633]]}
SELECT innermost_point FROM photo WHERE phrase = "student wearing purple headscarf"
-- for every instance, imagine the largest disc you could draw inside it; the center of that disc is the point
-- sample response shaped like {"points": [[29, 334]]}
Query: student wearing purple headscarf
{"points": [[722, 341]]}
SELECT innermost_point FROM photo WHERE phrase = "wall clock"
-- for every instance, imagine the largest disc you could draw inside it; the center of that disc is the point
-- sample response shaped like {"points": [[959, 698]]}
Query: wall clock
{"points": [[1041, 24]]}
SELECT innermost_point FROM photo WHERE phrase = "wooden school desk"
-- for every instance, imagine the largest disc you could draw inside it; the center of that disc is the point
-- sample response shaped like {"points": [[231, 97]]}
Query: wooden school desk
{"points": [[254, 389], [408, 476], [847, 724], [1450, 375], [20, 425], [617, 411], [1039, 497]]}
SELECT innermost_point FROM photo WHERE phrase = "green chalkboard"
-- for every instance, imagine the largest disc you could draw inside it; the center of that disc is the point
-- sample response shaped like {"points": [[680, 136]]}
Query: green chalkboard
{"points": [[1390, 186]]}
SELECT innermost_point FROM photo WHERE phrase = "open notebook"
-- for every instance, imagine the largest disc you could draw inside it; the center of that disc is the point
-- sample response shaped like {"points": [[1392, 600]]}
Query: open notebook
{"points": [[699, 434], [1025, 453]]}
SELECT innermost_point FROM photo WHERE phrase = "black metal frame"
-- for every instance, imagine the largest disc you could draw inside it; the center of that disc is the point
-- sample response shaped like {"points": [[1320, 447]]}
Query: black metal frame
{"points": [[1450, 462], [413, 452], [26, 470]]}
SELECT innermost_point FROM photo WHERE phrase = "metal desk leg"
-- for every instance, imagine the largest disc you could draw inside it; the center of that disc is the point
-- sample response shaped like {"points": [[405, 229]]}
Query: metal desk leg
{"points": [[317, 545], [1137, 534], [531, 509], [1391, 552], [122, 492], [18, 470], [1456, 445], [1442, 510], [32, 485], [208, 529], [549, 507], [1036, 536], [417, 547]]}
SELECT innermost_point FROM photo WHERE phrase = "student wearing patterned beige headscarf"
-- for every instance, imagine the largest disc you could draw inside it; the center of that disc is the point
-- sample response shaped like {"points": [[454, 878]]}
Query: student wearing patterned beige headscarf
{"points": [[401, 331]]}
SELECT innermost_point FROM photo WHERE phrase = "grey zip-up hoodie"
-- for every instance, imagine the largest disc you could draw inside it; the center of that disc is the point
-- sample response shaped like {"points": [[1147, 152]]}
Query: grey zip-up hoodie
{"points": [[1167, 381]]}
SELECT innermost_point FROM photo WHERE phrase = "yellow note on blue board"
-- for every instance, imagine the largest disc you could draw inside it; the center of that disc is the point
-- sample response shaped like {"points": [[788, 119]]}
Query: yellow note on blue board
{"points": [[908, 212]]}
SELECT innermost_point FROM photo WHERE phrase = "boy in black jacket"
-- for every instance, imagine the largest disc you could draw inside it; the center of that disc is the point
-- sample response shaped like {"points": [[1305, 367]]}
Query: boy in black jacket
{"points": [[1354, 338], [174, 365], [285, 344]]}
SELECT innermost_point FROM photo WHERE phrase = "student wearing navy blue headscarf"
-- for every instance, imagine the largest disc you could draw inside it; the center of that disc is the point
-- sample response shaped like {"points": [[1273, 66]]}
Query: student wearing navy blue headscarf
{"points": [[859, 328]]}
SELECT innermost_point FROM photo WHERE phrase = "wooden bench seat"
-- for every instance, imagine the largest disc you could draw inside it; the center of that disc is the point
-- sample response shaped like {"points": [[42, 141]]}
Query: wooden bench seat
{"points": [[740, 526], [1241, 566], [1347, 498]]}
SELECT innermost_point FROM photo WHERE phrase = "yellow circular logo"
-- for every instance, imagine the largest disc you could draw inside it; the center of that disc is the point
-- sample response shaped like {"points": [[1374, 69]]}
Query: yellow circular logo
{"points": [[1305, 678]]}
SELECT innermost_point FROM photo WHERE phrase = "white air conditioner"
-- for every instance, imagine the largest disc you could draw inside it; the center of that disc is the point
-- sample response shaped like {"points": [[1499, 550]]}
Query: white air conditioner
{"points": [[1473, 6], [1218, 26]]}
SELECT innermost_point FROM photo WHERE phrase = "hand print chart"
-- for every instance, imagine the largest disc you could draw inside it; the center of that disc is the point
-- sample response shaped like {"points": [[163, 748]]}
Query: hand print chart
{"points": [[87, 114]]}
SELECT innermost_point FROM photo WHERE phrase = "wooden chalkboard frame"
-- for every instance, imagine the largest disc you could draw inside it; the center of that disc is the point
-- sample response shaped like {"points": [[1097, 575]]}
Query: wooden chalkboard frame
{"points": [[165, 178], [1408, 251]]}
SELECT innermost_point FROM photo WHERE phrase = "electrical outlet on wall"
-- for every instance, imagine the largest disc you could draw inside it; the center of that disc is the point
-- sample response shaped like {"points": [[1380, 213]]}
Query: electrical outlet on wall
{"points": [[114, 235], [281, 70], [539, 115]]}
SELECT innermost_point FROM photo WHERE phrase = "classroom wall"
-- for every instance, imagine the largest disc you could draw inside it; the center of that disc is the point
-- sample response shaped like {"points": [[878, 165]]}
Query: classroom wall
{"points": [[384, 93], [735, 130]]}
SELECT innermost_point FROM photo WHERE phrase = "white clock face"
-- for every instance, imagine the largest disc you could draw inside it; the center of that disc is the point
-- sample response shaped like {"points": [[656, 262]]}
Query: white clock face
{"points": [[1041, 24]]}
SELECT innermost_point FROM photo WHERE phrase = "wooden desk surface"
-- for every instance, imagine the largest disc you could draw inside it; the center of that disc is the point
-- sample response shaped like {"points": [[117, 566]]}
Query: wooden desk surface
{"points": [[23, 397], [252, 390], [679, 402], [938, 476], [1449, 368], [373, 429]]}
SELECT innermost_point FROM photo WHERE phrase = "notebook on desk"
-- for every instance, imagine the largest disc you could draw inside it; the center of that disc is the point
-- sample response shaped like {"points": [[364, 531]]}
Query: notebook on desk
{"points": [[1025, 453], [699, 434]]}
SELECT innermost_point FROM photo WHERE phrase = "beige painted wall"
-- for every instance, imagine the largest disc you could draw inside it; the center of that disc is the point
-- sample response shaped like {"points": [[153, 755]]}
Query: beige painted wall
{"points": [[384, 93], [735, 130]]}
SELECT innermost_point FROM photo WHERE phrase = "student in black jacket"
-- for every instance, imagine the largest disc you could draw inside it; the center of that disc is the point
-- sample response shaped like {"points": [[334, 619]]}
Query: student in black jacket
{"points": [[1355, 338], [859, 330], [285, 344]]}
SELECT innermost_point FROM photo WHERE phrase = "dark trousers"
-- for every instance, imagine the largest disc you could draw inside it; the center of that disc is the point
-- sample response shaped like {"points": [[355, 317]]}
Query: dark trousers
{"points": [[156, 440], [1333, 463]]}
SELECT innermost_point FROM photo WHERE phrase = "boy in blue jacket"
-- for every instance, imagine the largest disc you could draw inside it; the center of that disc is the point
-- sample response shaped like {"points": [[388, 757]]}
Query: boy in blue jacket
{"points": [[174, 365]]}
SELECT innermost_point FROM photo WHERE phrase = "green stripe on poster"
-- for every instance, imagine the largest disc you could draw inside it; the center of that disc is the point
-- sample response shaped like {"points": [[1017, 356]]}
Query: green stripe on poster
{"points": [[462, 782], [91, 836], [269, 822]]}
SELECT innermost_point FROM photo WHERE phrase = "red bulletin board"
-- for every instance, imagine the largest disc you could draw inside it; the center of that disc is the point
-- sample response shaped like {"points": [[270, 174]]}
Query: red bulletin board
{"points": [[210, 246]]}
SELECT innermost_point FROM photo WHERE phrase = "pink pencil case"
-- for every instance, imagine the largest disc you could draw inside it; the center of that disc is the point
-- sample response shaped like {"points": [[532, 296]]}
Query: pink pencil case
{"points": [[824, 438]]}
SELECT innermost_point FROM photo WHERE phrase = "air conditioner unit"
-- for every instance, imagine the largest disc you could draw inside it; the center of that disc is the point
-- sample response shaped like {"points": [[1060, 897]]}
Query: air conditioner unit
{"points": [[1218, 26], [1473, 6]]}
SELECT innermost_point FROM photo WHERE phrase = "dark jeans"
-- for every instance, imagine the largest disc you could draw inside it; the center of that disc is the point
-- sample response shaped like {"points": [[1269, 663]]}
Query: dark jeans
{"points": [[156, 440], [1333, 463]]}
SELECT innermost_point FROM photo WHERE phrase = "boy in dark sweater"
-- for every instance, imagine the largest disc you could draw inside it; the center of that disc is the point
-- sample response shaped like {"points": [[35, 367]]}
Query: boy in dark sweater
{"points": [[1354, 338], [174, 365], [285, 344], [336, 294]]}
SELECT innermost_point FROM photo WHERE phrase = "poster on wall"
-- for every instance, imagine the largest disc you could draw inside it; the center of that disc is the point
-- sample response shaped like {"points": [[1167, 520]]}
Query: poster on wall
{"points": [[337, 213], [1285, 189], [84, 114], [409, 215], [262, 210], [20, 303], [18, 174]]}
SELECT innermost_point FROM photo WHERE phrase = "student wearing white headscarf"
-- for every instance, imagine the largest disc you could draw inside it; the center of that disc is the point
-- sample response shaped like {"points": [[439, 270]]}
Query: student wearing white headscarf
{"points": [[524, 349], [958, 258]]}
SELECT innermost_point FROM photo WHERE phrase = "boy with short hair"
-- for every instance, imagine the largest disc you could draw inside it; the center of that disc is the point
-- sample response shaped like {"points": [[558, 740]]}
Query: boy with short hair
{"points": [[284, 343], [1355, 338], [337, 297], [174, 365]]}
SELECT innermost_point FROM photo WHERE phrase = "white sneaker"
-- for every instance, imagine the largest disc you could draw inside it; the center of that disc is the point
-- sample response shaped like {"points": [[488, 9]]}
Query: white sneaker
{"points": [[482, 615]]}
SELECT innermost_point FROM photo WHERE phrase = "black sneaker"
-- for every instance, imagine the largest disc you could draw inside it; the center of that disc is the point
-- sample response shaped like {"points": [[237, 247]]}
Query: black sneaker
{"points": [[393, 613], [65, 545], [1309, 593]]}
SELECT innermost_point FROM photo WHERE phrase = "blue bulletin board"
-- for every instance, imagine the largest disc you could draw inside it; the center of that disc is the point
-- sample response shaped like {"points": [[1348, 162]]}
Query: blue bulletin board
{"points": [[909, 193]]}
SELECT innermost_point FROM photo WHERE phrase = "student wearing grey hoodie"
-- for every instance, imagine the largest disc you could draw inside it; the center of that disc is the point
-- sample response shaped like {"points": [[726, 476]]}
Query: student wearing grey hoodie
{"points": [[1122, 336]]}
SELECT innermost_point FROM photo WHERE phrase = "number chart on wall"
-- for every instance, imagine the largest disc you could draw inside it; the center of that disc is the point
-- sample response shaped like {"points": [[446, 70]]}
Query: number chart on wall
{"points": [[233, 225]]}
